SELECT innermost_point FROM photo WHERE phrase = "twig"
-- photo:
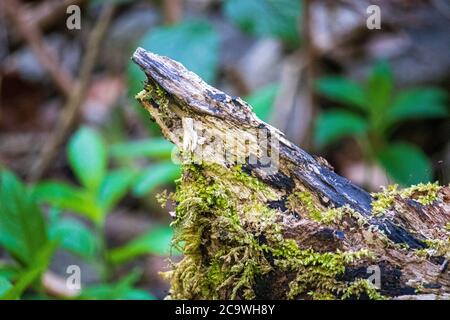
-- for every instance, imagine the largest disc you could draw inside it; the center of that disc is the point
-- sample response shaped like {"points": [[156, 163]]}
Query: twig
{"points": [[71, 109], [33, 36], [173, 11], [310, 56]]}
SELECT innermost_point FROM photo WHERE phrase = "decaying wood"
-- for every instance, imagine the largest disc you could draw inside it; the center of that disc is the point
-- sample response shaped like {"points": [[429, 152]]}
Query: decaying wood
{"points": [[394, 238]]}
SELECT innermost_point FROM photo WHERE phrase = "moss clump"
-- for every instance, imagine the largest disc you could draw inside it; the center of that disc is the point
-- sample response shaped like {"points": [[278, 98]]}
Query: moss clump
{"points": [[383, 200], [437, 248], [362, 287], [423, 193], [222, 259], [304, 201], [156, 96], [318, 273], [230, 239]]}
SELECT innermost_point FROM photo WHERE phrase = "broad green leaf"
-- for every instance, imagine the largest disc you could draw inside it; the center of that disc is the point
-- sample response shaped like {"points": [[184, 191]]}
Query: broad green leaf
{"points": [[334, 125], [22, 225], [156, 241], [152, 148], [114, 188], [194, 43], [67, 197], [418, 103], [33, 272], [75, 237], [121, 290], [262, 101], [154, 175], [379, 88], [405, 163], [266, 18], [88, 157], [342, 90], [5, 286]]}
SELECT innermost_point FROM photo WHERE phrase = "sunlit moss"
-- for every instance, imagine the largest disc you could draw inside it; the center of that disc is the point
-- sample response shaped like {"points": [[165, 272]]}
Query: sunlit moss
{"points": [[362, 287], [423, 193], [384, 200]]}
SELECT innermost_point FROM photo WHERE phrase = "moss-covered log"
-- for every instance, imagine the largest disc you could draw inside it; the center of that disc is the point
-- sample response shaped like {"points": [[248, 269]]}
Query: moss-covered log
{"points": [[258, 217]]}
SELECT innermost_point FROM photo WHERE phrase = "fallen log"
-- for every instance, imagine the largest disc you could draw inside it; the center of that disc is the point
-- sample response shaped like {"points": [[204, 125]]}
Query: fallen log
{"points": [[258, 217]]}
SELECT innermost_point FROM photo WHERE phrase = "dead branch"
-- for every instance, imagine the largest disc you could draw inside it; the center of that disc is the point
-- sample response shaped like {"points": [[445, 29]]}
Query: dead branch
{"points": [[33, 36], [70, 111], [326, 215]]}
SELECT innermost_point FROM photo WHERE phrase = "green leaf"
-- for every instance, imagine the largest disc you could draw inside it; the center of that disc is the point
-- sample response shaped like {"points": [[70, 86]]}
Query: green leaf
{"points": [[262, 101], [156, 241], [33, 273], [75, 237], [154, 175], [334, 125], [67, 197], [5, 286], [22, 225], [266, 18], [418, 103], [379, 88], [121, 290], [88, 157], [194, 43], [152, 148], [405, 163], [342, 90], [114, 188]]}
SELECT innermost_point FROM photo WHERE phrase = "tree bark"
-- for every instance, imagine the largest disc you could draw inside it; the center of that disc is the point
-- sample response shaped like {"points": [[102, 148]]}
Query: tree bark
{"points": [[318, 219]]}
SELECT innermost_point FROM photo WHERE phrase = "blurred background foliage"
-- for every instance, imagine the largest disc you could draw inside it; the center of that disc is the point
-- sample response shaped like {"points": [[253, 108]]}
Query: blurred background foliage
{"points": [[373, 102]]}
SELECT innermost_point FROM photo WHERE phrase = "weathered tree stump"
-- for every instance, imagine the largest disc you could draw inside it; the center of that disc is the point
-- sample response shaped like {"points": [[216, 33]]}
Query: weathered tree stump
{"points": [[258, 217]]}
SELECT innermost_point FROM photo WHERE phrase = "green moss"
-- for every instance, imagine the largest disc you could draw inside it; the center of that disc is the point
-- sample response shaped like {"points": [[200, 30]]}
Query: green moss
{"points": [[155, 94], [230, 239], [222, 259], [362, 287], [318, 273], [435, 247], [424, 193], [383, 200], [438, 248], [304, 201]]}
